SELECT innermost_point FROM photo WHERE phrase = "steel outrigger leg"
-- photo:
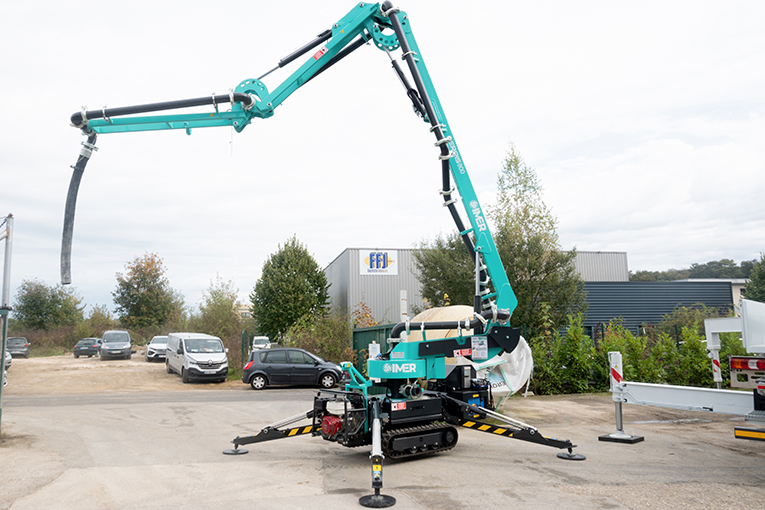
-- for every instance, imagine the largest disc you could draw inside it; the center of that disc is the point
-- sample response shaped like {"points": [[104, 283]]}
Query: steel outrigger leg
{"points": [[376, 500], [271, 432], [513, 428]]}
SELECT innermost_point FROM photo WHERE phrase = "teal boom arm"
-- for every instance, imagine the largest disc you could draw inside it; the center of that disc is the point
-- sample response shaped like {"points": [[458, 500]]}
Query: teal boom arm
{"points": [[365, 23]]}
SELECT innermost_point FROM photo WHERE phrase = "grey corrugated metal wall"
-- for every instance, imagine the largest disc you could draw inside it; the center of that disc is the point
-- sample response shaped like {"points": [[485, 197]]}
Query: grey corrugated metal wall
{"points": [[381, 293], [337, 275], [602, 266], [640, 303]]}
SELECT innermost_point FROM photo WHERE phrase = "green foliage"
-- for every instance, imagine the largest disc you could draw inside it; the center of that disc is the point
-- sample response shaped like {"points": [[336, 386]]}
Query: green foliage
{"points": [[219, 316], [291, 285], [527, 242], [328, 335], [755, 288], [444, 267], [99, 319], [660, 276], [143, 295], [43, 307], [562, 364], [695, 368], [576, 354], [689, 317]]}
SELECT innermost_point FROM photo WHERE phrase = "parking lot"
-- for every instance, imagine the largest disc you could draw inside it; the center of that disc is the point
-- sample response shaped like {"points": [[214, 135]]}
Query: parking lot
{"points": [[124, 434]]}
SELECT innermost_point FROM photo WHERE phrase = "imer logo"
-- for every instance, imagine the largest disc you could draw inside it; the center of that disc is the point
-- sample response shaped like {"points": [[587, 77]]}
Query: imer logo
{"points": [[378, 262], [403, 368], [480, 222]]}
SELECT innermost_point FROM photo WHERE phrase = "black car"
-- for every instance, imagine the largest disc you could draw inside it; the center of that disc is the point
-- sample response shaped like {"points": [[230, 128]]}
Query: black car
{"points": [[87, 347], [270, 367]]}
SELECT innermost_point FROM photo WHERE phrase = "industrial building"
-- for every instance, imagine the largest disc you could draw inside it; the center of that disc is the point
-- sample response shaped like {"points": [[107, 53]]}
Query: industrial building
{"points": [[379, 277]]}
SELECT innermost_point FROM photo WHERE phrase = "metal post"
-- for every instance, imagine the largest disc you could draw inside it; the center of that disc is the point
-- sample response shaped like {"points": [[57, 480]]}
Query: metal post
{"points": [[4, 305], [616, 377]]}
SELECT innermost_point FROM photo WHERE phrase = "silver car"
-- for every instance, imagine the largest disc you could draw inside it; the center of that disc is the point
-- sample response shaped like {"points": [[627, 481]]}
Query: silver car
{"points": [[17, 346], [116, 344], [8, 360], [157, 349]]}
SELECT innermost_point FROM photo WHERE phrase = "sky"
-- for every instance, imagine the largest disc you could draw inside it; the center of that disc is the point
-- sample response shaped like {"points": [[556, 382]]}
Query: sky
{"points": [[645, 123]]}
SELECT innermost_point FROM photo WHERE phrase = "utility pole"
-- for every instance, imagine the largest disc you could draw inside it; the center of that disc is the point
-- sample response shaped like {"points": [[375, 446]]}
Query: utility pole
{"points": [[5, 307]]}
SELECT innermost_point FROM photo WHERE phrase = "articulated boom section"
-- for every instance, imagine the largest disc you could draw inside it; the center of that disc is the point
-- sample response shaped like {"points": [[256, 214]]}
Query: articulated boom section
{"points": [[251, 98]]}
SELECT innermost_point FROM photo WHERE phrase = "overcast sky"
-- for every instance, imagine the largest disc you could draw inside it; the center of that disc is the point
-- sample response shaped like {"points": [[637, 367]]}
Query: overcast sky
{"points": [[645, 122]]}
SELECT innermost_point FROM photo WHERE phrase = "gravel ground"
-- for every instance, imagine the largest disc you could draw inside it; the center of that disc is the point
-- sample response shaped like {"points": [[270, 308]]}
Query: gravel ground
{"points": [[64, 456]]}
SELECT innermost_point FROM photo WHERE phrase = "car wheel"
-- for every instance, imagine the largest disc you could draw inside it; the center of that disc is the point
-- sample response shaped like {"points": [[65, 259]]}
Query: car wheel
{"points": [[258, 382], [76, 356], [167, 367], [184, 376], [327, 381]]}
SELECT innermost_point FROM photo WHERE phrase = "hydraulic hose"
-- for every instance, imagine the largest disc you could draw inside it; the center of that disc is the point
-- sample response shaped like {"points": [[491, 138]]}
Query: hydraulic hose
{"points": [[387, 6], [71, 203]]}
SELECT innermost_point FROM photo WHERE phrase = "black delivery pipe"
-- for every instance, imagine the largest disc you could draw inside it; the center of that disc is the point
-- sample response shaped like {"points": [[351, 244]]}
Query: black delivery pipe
{"points": [[78, 121], [502, 315]]}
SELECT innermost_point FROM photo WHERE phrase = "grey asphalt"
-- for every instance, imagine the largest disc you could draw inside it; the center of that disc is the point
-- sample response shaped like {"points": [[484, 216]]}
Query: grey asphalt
{"points": [[162, 450]]}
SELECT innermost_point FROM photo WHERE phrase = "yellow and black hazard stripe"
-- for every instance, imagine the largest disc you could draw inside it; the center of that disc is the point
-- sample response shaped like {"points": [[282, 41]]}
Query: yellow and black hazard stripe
{"points": [[485, 427], [743, 433], [269, 434], [299, 431], [523, 434]]}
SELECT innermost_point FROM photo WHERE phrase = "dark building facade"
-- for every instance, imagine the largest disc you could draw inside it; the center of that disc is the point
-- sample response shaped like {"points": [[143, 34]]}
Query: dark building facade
{"points": [[638, 303]]}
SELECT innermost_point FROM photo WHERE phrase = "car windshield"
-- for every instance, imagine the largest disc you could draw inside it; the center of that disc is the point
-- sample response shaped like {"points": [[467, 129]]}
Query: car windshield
{"points": [[115, 337], [197, 345], [159, 340]]}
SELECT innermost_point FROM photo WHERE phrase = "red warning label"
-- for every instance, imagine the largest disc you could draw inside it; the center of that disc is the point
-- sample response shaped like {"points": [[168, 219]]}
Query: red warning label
{"points": [[318, 54]]}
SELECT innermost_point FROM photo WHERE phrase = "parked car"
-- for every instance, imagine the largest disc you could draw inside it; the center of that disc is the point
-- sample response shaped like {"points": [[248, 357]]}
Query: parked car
{"points": [[87, 347], [17, 346], [279, 366], [261, 342], [156, 349], [8, 359], [116, 344], [196, 356]]}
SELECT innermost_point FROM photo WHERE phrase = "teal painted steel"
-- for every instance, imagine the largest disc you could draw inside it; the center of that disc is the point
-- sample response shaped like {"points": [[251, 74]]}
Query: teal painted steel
{"points": [[368, 21]]}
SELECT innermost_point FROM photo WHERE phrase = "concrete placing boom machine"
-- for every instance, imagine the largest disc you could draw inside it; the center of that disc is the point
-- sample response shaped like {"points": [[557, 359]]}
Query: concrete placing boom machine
{"points": [[412, 402]]}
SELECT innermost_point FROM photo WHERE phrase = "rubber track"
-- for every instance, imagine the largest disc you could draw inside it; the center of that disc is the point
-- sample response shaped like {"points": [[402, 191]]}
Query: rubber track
{"points": [[390, 435]]}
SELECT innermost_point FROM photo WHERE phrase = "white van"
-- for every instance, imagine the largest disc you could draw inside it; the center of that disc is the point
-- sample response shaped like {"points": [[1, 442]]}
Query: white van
{"points": [[196, 356]]}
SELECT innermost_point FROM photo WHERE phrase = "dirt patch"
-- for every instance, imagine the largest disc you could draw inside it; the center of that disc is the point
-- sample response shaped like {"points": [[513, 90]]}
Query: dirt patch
{"points": [[67, 375]]}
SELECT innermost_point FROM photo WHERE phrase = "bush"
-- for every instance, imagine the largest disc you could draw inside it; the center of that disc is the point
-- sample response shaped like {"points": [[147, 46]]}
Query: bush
{"points": [[329, 336]]}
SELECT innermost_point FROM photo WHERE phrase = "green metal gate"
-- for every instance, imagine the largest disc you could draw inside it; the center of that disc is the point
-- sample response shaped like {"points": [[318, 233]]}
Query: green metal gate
{"points": [[362, 337]]}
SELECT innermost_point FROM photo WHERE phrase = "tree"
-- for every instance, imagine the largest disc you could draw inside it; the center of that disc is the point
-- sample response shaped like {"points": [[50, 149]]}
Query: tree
{"points": [[218, 312], [755, 289], [291, 286], [143, 295], [527, 242], [39, 306], [445, 268]]}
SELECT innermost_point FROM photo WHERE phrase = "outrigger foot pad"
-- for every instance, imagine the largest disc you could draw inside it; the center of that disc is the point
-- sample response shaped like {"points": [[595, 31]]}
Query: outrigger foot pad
{"points": [[236, 451], [377, 500], [570, 455]]}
